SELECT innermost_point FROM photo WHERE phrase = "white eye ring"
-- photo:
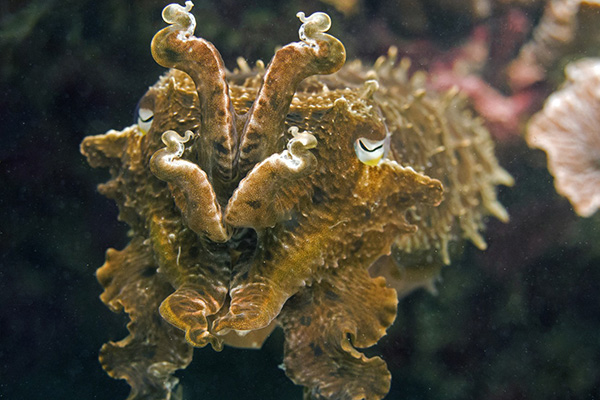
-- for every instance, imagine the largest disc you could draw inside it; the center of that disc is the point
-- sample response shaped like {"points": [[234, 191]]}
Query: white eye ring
{"points": [[369, 151], [144, 120]]}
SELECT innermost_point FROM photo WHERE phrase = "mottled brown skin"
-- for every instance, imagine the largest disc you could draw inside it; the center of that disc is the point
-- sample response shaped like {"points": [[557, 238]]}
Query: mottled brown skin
{"points": [[261, 214], [358, 213], [130, 277]]}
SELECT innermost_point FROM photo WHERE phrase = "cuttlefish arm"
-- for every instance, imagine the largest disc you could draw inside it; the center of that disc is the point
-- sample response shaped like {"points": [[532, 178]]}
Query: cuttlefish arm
{"points": [[291, 255], [316, 53], [200, 272], [192, 191], [271, 189], [176, 47]]}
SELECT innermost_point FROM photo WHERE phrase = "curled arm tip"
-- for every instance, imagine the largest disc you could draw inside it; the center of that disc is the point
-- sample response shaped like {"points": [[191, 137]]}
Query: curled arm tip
{"points": [[180, 16], [175, 143], [305, 139], [313, 26]]}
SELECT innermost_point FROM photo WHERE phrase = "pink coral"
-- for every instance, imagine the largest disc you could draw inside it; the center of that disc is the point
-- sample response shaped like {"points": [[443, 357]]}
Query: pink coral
{"points": [[567, 129]]}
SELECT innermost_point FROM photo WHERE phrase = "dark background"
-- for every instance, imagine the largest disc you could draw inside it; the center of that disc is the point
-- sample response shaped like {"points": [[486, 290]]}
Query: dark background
{"points": [[519, 321]]}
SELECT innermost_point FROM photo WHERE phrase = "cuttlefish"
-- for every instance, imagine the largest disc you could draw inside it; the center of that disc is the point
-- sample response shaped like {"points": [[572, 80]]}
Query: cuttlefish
{"points": [[261, 197]]}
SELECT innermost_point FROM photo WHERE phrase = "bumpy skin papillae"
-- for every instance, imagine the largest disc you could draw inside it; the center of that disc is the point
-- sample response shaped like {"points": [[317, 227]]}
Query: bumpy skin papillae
{"points": [[437, 135], [362, 202], [176, 47], [245, 234], [337, 228], [318, 53], [461, 155]]}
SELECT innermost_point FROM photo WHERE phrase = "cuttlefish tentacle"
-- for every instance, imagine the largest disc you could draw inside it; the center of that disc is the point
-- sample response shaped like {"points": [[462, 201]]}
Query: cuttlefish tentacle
{"points": [[266, 195], [191, 188], [176, 47], [318, 53]]}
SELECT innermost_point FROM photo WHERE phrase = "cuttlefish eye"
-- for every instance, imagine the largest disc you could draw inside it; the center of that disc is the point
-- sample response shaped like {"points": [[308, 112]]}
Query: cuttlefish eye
{"points": [[144, 112], [144, 119], [369, 151]]}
